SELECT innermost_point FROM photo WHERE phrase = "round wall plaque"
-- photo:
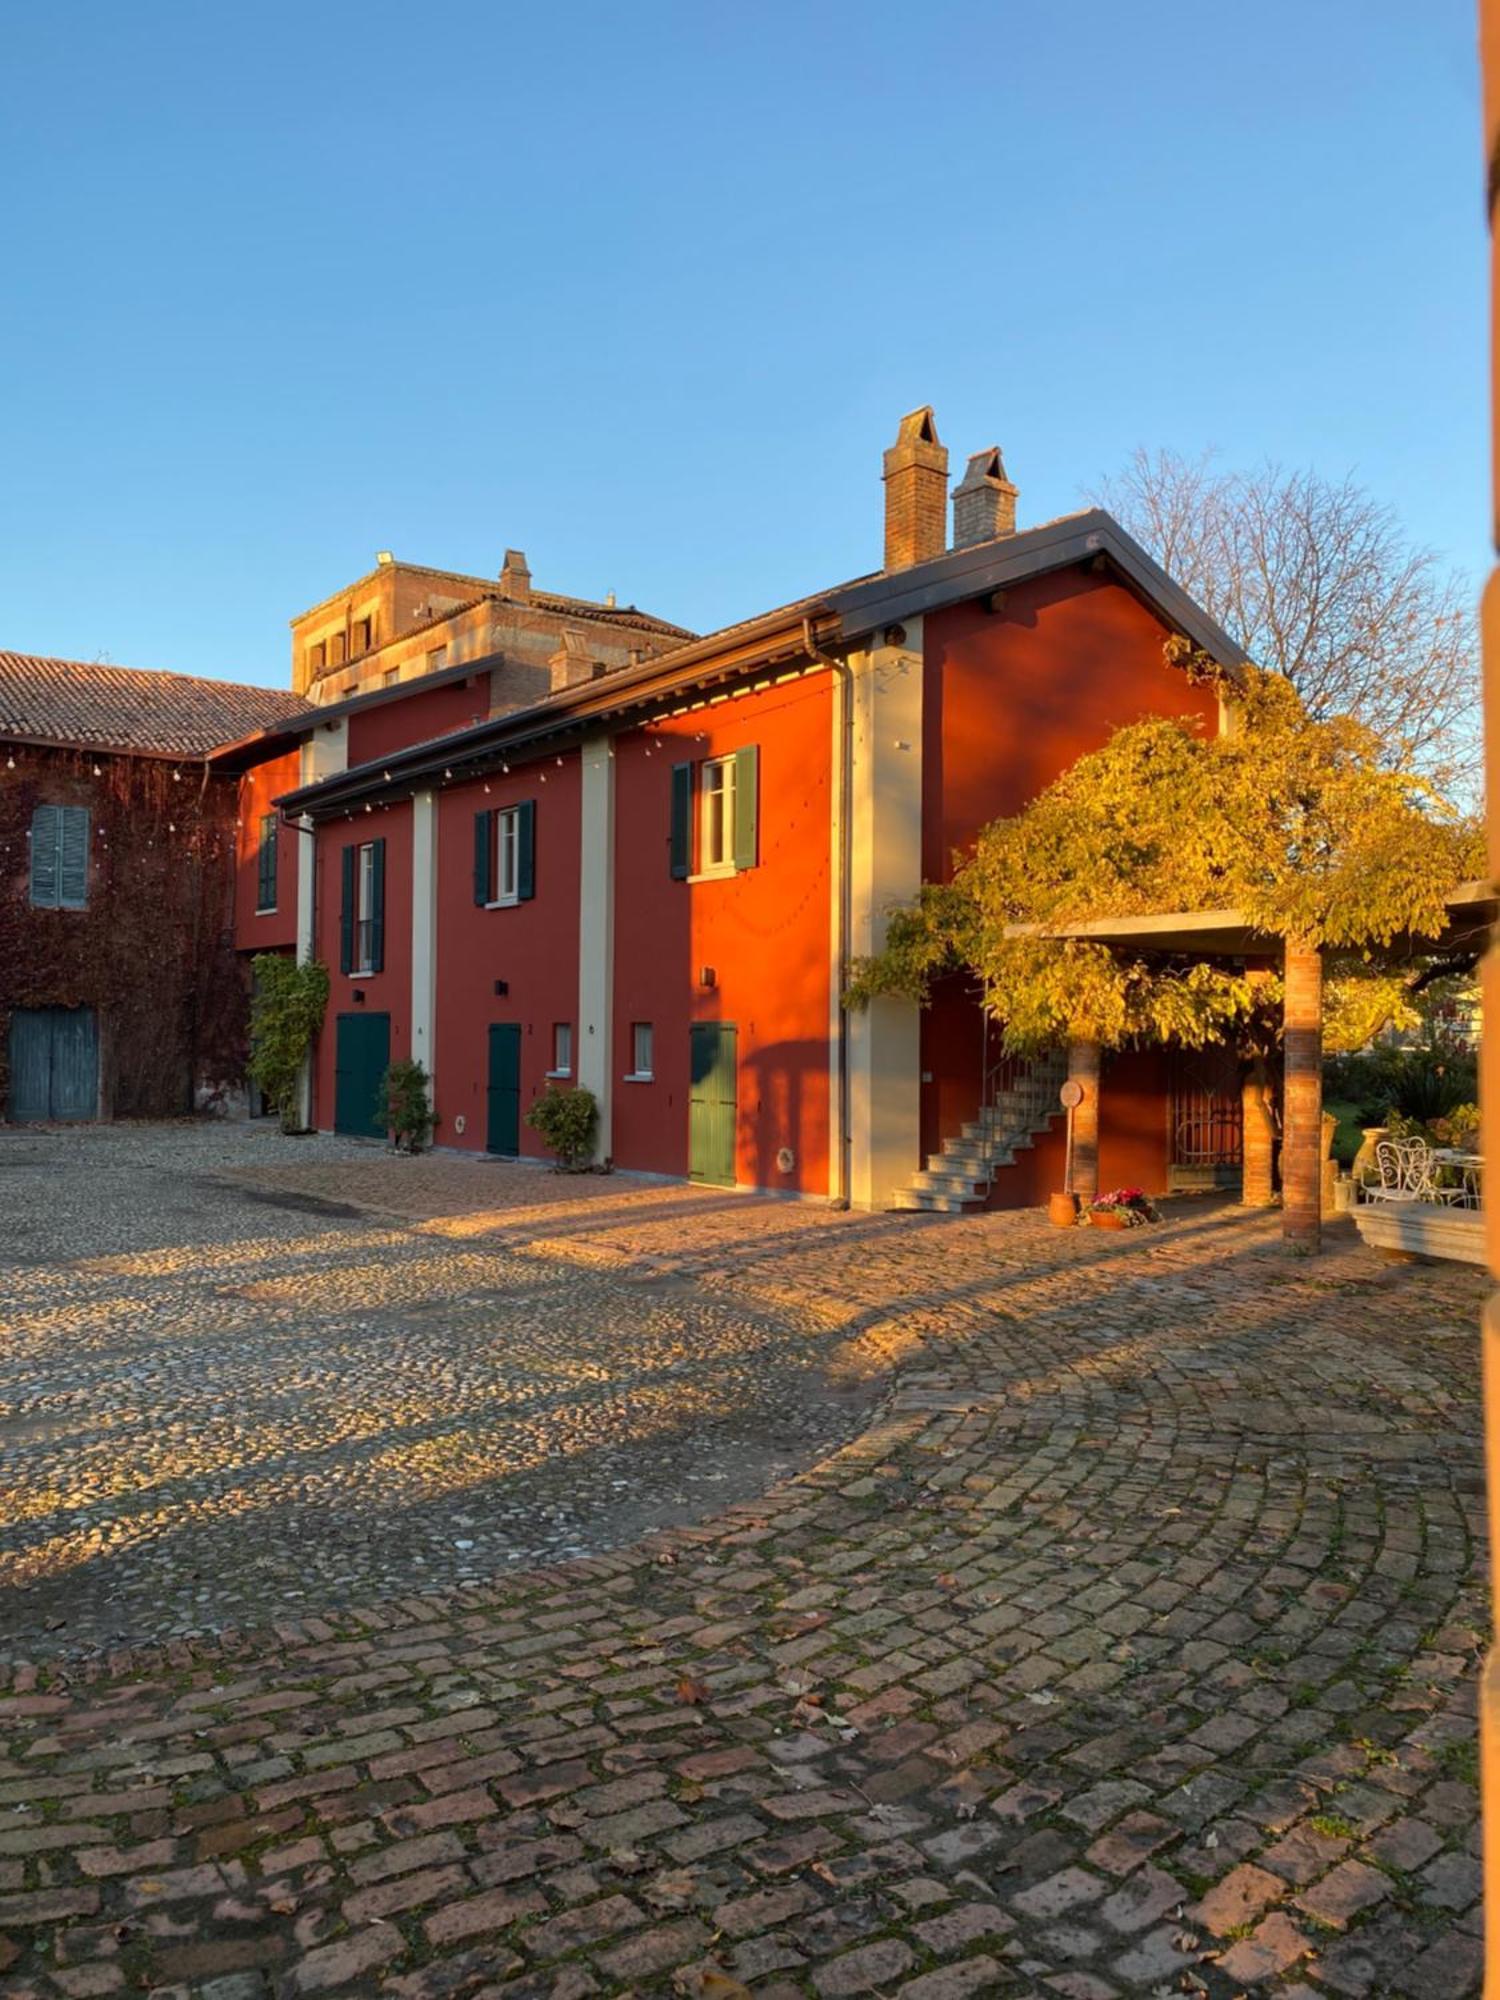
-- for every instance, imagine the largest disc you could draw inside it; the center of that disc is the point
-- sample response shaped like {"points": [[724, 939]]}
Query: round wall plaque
{"points": [[1071, 1094]]}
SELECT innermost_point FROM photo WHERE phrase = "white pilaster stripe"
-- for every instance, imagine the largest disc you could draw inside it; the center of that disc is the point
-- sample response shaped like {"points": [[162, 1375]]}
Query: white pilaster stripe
{"points": [[596, 932]]}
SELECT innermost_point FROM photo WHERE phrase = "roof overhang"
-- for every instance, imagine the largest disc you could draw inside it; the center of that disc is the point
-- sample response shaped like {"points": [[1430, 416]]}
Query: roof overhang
{"points": [[1218, 935], [1092, 536]]}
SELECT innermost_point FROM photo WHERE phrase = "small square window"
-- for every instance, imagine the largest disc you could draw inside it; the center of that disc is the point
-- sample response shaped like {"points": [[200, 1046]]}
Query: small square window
{"points": [[437, 658], [390, 677], [562, 1049], [642, 1038]]}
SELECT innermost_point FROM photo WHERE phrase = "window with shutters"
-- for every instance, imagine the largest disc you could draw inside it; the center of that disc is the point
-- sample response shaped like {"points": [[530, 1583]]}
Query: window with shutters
{"points": [[265, 881], [366, 896], [505, 856], [715, 814], [60, 858]]}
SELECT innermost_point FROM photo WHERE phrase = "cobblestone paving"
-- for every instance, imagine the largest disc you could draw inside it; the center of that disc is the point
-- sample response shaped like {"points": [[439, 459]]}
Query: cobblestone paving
{"points": [[217, 1407], [1131, 1650]]}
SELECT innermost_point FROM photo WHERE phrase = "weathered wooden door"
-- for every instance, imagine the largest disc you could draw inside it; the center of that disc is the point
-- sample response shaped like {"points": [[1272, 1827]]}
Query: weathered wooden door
{"points": [[712, 1103], [503, 1126], [54, 1064], [362, 1055]]}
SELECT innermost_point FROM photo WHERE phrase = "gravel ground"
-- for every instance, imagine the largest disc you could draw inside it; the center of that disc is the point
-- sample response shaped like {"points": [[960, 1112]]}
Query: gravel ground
{"points": [[223, 1401]]}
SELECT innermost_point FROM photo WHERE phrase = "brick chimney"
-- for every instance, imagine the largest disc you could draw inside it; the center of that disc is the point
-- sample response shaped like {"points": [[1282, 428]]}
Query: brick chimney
{"points": [[916, 493], [573, 662], [984, 505], [515, 577]]}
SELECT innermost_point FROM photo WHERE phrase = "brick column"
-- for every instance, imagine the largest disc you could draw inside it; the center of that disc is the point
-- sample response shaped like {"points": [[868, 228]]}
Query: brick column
{"points": [[1083, 1067], [1302, 1137], [1258, 1146]]}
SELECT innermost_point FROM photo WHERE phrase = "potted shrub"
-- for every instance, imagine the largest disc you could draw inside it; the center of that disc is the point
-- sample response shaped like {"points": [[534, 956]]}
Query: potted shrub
{"points": [[1122, 1208], [568, 1120], [406, 1107]]}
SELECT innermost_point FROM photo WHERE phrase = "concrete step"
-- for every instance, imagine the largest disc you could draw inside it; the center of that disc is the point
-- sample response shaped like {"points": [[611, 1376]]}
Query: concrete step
{"points": [[934, 1204]]}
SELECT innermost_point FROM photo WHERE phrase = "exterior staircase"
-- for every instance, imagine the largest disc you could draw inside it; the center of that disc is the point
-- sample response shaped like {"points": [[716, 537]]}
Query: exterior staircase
{"points": [[1020, 1103]]}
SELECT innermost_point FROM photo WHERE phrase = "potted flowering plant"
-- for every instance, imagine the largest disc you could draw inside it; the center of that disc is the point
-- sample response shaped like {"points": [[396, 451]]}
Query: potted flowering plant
{"points": [[1122, 1208]]}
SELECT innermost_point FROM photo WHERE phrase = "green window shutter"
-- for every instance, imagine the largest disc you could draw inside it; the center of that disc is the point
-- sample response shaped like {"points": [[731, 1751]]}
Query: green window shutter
{"points": [[44, 858], [484, 857], [682, 821], [265, 894], [377, 913], [526, 851], [73, 858], [746, 807], [346, 911]]}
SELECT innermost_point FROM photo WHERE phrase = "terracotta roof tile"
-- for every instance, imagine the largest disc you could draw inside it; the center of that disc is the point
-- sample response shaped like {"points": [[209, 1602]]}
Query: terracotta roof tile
{"points": [[129, 708]]}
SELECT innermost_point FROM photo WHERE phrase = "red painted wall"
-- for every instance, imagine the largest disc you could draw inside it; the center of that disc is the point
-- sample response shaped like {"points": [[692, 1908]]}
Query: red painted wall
{"points": [[1010, 700], [259, 786], [765, 933], [389, 990], [1134, 1109], [417, 718], [533, 946]]}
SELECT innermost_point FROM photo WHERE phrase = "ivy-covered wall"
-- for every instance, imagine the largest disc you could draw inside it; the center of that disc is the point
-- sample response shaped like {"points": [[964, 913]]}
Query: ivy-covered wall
{"points": [[153, 953]]}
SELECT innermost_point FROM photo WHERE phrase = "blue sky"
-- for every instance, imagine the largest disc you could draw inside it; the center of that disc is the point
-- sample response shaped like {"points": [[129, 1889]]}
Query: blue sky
{"points": [[644, 290]]}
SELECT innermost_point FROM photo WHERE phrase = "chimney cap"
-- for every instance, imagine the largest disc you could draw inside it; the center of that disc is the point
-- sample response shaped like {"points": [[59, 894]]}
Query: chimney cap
{"points": [[985, 468], [384, 558]]}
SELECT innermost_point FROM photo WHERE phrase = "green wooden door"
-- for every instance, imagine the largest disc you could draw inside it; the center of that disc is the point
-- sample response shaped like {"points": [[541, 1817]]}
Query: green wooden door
{"points": [[503, 1127], [362, 1055], [711, 1103]]}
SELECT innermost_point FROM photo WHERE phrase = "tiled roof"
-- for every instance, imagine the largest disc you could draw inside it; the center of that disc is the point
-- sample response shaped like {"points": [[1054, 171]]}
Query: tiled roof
{"points": [[129, 708]]}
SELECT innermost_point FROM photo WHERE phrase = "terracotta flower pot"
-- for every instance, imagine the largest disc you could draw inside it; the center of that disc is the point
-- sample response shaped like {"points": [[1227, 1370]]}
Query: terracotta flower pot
{"points": [[1062, 1210], [1108, 1218]]}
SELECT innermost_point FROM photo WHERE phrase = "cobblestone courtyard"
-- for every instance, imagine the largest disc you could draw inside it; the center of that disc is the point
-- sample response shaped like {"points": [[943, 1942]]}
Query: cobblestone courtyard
{"points": [[1125, 1645]]}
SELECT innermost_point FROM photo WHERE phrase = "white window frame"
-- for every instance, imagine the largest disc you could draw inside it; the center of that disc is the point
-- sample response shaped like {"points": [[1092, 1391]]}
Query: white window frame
{"points": [[505, 862], [715, 815], [642, 1035], [364, 912], [562, 1047]]}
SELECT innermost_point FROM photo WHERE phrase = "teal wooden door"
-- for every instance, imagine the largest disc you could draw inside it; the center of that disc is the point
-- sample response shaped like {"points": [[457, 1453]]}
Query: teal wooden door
{"points": [[54, 1064], [362, 1055], [711, 1103], [503, 1125]]}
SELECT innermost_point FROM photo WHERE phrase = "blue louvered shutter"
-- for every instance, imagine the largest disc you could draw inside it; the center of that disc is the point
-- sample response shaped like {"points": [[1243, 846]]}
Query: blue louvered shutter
{"points": [[346, 911], [484, 857], [682, 821], [44, 858], [73, 858], [526, 851]]}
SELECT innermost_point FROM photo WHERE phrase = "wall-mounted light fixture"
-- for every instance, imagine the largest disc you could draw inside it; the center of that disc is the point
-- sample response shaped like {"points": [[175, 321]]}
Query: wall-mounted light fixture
{"points": [[708, 977], [358, 996], [502, 987]]}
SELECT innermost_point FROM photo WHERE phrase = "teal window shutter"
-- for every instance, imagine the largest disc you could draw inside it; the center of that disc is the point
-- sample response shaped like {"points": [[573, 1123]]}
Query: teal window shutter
{"points": [[746, 807], [346, 911], [44, 858], [73, 858], [265, 891], [526, 851], [682, 821], [484, 857], [377, 912]]}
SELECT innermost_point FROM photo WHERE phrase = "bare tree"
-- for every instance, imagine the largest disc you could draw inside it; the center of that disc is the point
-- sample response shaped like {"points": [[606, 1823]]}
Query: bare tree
{"points": [[1317, 580]]}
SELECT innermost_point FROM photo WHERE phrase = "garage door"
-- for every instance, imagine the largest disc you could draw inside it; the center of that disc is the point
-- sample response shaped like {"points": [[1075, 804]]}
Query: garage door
{"points": [[54, 1064]]}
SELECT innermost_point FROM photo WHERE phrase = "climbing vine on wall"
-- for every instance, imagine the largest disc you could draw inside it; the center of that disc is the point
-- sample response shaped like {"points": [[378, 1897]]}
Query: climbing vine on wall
{"points": [[153, 953]]}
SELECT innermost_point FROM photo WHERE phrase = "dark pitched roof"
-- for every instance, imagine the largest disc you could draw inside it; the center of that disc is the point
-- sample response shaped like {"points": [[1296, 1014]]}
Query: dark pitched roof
{"points": [[129, 708], [834, 618]]}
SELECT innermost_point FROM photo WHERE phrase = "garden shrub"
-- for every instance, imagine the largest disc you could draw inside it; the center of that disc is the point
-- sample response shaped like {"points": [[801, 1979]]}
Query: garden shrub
{"points": [[568, 1120], [405, 1106]]}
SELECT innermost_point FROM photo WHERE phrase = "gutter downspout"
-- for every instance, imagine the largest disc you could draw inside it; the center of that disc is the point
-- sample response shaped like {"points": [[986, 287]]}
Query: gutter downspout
{"points": [[843, 861]]}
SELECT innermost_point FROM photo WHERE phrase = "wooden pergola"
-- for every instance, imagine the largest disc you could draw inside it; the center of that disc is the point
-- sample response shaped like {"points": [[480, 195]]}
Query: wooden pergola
{"points": [[1227, 937]]}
